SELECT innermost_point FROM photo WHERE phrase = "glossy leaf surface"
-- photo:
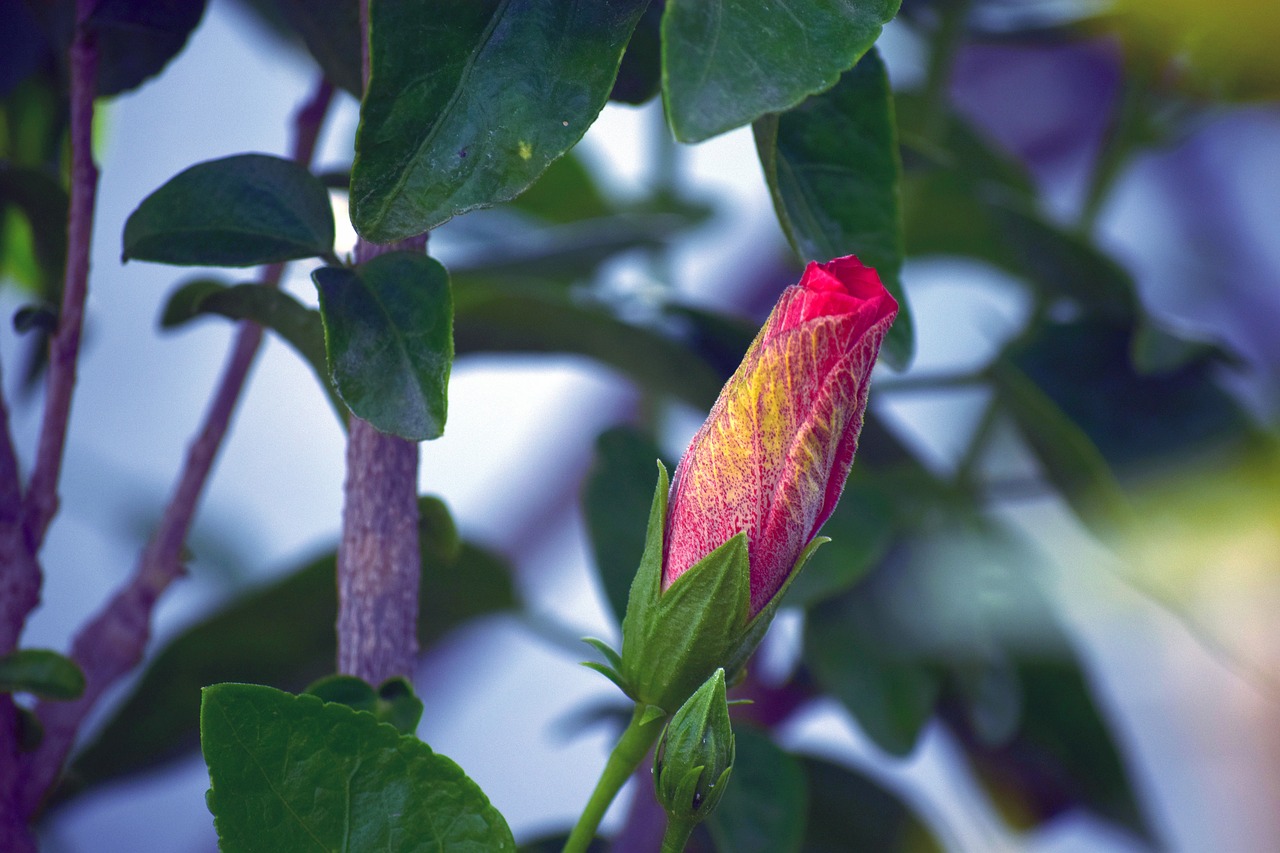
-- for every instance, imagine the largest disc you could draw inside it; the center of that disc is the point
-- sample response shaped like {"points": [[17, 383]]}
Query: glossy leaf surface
{"points": [[239, 211], [833, 170], [468, 102], [727, 62]]}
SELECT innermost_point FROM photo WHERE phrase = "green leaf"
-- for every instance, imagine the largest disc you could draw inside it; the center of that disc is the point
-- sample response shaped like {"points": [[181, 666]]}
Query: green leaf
{"points": [[496, 318], [862, 651], [293, 773], [239, 211], [45, 673], [762, 810], [468, 102], [279, 634], [331, 31], [640, 74], [136, 39], [564, 193], [41, 317], [616, 500], [833, 170], [727, 62], [848, 811], [388, 333]]}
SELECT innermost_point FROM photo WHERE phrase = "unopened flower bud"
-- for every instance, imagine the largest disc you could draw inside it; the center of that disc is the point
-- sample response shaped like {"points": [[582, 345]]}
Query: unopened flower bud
{"points": [[695, 755]]}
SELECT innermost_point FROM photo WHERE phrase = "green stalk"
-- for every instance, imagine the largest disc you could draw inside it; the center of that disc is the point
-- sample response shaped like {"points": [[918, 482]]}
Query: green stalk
{"points": [[631, 749], [677, 835]]}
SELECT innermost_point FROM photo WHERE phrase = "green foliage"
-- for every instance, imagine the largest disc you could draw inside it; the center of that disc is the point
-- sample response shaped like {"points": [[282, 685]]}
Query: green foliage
{"points": [[331, 31], [295, 773], [388, 335], [833, 170], [136, 39], [279, 634], [763, 807], [239, 211], [848, 811], [45, 673], [614, 500], [505, 89], [725, 63]]}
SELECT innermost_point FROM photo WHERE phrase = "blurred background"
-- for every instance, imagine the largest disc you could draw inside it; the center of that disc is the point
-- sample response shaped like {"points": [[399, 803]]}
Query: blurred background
{"points": [[1047, 619]]}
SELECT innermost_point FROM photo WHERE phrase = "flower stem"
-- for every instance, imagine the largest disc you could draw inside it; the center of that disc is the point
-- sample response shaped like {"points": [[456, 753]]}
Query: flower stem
{"points": [[630, 750], [677, 834]]}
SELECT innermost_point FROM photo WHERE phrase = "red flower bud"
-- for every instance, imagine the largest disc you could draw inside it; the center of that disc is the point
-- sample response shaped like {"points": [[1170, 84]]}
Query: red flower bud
{"points": [[773, 455]]}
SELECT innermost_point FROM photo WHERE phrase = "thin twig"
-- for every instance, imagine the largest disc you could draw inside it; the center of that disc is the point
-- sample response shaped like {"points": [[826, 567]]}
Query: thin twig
{"points": [[41, 502], [113, 642]]}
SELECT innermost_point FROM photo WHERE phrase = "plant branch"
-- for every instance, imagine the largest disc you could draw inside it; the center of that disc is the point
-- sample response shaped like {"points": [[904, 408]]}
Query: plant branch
{"points": [[379, 561], [41, 502], [113, 642]]}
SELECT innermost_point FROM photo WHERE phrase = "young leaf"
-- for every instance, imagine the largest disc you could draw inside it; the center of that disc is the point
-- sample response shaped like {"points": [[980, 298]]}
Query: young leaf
{"points": [[727, 62], [389, 338], [469, 101], [239, 211], [294, 773], [42, 672], [833, 170]]}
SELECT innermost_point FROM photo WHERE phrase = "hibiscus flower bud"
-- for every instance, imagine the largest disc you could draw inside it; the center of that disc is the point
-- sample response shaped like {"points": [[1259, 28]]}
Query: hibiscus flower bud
{"points": [[757, 482], [773, 455]]}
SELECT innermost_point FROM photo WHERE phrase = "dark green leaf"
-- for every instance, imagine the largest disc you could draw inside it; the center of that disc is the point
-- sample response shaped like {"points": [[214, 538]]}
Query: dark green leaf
{"points": [[30, 730], [331, 31], [362, 785], [235, 212], [45, 673], [640, 74], [36, 318], [1138, 423], [493, 318], [393, 703], [279, 634], [861, 531], [616, 502], [863, 648], [470, 101], [763, 807], [398, 706], [388, 333], [727, 62], [565, 192], [833, 170], [136, 39], [555, 844], [355, 693], [270, 307], [848, 811]]}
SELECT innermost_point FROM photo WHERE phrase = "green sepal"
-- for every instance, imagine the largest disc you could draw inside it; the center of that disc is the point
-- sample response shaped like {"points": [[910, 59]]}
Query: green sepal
{"points": [[42, 672], [673, 640], [695, 754], [614, 659], [651, 713], [609, 673]]}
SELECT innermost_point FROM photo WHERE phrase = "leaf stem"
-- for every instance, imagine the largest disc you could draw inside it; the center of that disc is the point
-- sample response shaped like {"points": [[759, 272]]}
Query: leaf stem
{"points": [[630, 750], [111, 644]]}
